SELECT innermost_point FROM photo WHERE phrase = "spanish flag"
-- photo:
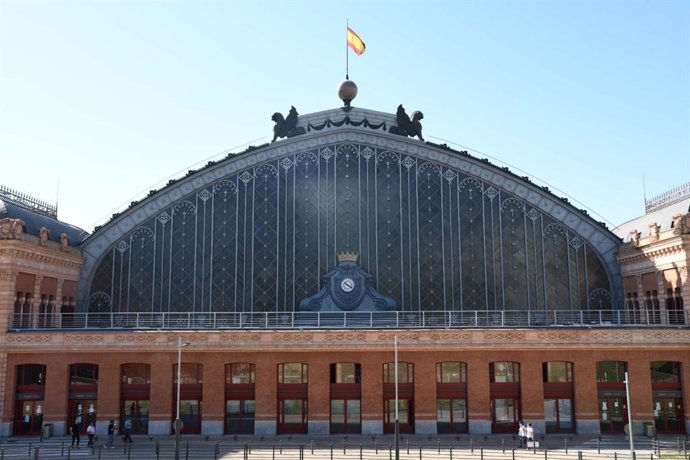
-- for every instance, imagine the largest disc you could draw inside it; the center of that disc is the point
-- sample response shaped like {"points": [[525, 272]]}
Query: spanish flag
{"points": [[354, 42]]}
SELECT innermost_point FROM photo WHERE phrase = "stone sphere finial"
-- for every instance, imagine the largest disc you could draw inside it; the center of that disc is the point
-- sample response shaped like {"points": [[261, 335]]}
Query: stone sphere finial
{"points": [[347, 91]]}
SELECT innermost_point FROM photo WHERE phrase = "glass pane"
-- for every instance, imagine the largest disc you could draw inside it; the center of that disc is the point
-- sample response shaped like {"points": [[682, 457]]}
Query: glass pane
{"points": [[565, 414], [443, 410], [459, 411], [138, 412], [249, 408], [293, 411], [232, 407], [354, 411], [345, 373], [292, 373], [504, 411], [550, 416], [337, 411], [611, 371]]}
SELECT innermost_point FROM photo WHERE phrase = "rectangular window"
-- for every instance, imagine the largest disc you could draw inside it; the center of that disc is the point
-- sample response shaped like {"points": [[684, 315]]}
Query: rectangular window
{"points": [[504, 372], [611, 371], [292, 373], [405, 373], [557, 371], [451, 372], [345, 373], [665, 372], [505, 411], [240, 373]]}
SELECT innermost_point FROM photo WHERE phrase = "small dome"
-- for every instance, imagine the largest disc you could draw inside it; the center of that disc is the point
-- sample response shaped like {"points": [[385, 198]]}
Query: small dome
{"points": [[347, 91]]}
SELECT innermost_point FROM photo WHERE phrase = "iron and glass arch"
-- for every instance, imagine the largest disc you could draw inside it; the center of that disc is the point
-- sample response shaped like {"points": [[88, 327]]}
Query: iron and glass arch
{"points": [[437, 229]]}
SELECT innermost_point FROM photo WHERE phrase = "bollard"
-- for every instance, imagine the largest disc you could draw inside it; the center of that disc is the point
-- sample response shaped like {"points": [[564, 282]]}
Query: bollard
{"points": [[344, 447], [420, 452], [615, 456], [360, 451], [598, 445], [376, 446], [438, 442], [534, 446], [100, 451], [678, 441], [280, 446], [69, 452], [390, 452], [62, 450], [481, 454], [545, 457], [273, 455], [29, 449], [36, 452], [312, 446], [408, 446], [513, 457], [503, 445], [471, 445], [579, 455], [565, 441], [634, 455], [331, 451], [451, 453], [129, 452]]}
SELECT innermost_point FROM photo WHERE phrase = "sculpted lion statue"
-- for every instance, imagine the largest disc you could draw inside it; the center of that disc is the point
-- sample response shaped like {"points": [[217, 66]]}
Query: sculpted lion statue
{"points": [[286, 127], [408, 126]]}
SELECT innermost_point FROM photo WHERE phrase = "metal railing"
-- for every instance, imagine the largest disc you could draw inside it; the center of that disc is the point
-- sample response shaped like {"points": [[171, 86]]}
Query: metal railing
{"points": [[350, 320]]}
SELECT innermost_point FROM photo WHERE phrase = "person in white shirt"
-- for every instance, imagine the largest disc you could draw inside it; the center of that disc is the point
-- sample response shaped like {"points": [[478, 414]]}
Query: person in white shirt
{"points": [[530, 433], [522, 435]]}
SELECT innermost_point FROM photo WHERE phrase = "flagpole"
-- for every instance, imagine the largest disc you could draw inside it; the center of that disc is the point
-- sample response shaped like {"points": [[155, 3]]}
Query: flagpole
{"points": [[347, 55]]}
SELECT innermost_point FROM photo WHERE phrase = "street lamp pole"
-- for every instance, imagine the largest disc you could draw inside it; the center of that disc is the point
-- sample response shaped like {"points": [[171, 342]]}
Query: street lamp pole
{"points": [[178, 421], [630, 420], [397, 421]]}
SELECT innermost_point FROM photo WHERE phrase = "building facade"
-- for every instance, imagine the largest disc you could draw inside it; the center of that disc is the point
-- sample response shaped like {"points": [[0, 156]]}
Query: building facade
{"points": [[291, 268]]}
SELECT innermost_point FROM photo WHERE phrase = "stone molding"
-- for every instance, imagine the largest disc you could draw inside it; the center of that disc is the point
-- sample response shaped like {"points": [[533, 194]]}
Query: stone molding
{"points": [[354, 340]]}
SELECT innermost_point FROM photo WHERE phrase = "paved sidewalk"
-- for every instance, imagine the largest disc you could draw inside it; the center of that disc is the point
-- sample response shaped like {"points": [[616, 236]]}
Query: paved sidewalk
{"points": [[443, 447]]}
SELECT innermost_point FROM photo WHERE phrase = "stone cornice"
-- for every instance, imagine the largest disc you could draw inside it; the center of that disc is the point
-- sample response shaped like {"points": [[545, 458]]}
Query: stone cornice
{"points": [[630, 255], [537, 339], [16, 251]]}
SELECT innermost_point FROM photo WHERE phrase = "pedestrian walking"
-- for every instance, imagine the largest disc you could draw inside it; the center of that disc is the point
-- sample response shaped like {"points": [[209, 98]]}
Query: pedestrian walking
{"points": [[530, 433], [128, 430], [522, 435], [91, 431], [111, 434], [74, 429]]}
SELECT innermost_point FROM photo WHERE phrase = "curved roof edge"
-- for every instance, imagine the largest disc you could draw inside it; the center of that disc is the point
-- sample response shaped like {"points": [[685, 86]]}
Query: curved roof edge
{"points": [[604, 241], [33, 222]]}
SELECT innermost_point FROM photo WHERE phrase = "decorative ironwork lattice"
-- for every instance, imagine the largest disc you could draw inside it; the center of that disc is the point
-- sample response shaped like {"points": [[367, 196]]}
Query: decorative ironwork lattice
{"points": [[434, 238]]}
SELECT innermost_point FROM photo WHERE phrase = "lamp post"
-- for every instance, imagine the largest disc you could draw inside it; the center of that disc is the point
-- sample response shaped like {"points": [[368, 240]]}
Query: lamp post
{"points": [[630, 420], [178, 421], [397, 421]]}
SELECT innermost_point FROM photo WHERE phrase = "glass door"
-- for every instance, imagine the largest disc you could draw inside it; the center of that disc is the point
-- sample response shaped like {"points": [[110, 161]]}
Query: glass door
{"points": [[668, 415], [292, 416], [28, 417], [613, 415], [504, 415]]}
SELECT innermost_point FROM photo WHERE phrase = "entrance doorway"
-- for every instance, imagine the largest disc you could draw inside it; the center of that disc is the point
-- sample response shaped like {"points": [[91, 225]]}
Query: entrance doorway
{"points": [[28, 417], [613, 415]]}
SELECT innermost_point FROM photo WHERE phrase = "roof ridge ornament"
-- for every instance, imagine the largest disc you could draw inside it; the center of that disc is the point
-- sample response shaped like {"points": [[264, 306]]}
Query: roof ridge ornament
{"points": [[286, 127], [408, 127]]}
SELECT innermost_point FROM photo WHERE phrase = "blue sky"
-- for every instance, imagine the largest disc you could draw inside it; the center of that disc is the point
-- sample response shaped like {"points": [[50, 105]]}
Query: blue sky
{"points": [[113, 98]]}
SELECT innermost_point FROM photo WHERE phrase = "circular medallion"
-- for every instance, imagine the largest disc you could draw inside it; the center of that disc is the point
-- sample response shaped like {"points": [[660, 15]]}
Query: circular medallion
{"points": [[347, 285]]}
